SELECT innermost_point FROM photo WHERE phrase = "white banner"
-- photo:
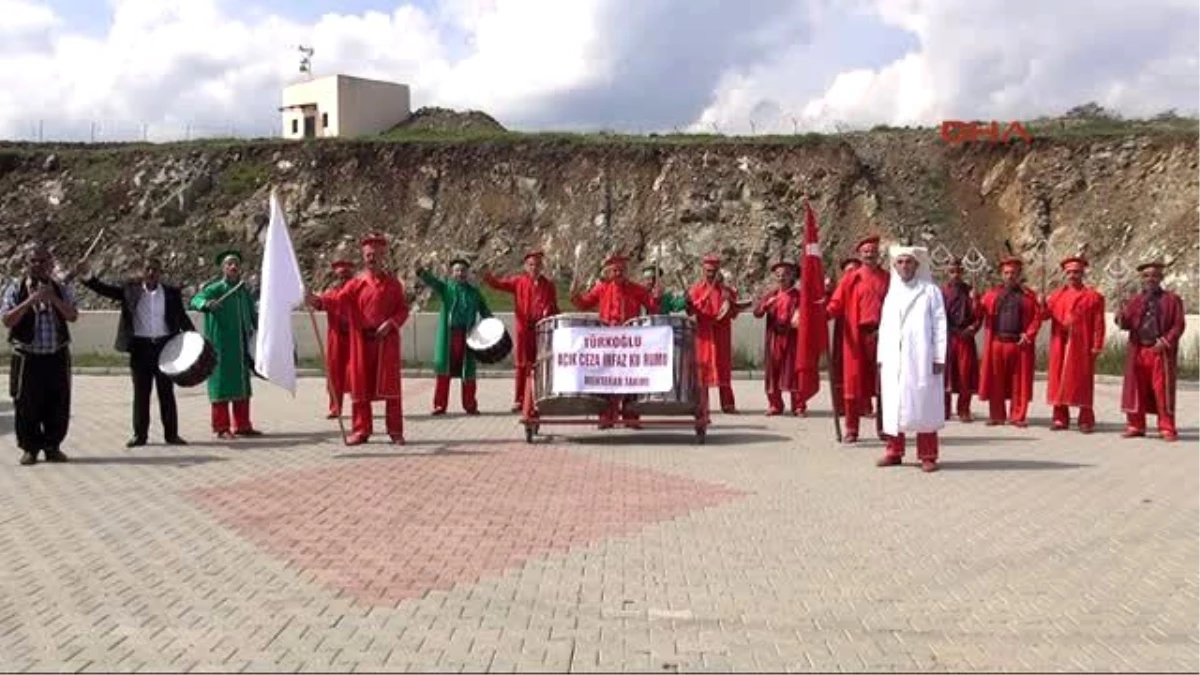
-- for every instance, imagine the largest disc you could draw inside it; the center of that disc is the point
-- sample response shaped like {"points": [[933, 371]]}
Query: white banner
{"points": [[614, 359]]}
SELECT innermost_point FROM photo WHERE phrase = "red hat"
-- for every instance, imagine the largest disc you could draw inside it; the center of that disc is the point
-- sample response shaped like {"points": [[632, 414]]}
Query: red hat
{"points": [[1158, 264], [711, 261], [341, 264], [615, 259], [1074, 263], [783, 263], [533, 254], [955, 264], [1012, 261], [873, 239], [374, 239]]}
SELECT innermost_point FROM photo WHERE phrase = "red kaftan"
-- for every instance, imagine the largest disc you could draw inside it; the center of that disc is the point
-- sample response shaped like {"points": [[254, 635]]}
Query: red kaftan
{"points": [[714, 338], [533, 300], [858, 300], [1007, 368], [1076, 317], [779, 349], [616, 301], [367, 301], [1149, 386], [337, 357], [963, 320]]}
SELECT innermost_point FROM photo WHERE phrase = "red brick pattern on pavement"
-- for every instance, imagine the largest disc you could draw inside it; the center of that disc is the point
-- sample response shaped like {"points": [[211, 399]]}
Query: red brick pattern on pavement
{"points": [[393, 528]]}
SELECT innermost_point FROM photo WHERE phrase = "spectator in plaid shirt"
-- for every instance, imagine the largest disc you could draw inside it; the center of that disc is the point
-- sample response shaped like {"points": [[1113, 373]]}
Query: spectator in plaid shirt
{"points": [[36, 311]]}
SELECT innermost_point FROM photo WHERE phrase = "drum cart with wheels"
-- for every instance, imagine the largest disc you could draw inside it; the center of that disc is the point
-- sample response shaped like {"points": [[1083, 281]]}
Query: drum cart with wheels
{"points": [[676, 412]]}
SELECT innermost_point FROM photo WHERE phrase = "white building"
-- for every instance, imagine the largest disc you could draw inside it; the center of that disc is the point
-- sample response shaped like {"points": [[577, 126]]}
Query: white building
{"points": [[340, 105]]}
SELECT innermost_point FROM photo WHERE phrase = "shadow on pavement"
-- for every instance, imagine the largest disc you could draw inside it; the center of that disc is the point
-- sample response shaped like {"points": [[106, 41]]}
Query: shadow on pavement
{"points": [[1008, 465], [173, 460], [983, 440], [384, 454], [272, 441], [682, 438]]}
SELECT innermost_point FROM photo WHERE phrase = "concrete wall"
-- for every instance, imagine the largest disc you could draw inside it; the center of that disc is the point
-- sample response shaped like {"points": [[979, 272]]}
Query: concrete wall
{"points": [[95, 331], [321, 92], [368, 107]]}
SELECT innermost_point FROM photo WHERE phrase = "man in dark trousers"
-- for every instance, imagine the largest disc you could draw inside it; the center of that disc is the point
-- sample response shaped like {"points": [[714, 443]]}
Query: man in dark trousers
{"points": [[36, 311], [151, 314]]}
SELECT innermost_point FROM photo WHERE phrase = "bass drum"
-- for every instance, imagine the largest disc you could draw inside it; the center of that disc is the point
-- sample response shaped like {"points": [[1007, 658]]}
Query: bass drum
{"points": [[684, 397], [187, 359], [489, 341], [548, 402]]}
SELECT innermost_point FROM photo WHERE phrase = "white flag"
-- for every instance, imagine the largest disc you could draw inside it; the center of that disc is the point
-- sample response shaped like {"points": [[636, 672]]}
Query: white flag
{"points": [[281, 291]]}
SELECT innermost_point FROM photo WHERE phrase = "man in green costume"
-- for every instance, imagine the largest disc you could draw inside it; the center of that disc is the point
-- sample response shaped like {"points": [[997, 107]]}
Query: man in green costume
{"points": [[229, 321], [462, 306], [667, 301]]}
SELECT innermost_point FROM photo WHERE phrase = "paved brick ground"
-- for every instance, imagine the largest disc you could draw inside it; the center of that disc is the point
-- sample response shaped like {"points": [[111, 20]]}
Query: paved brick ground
{"points": [[769, 548]]}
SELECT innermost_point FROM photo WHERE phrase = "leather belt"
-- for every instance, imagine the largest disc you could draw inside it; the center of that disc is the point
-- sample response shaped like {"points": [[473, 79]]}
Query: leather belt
{"points": [[1147, 344], [1008, 338]]}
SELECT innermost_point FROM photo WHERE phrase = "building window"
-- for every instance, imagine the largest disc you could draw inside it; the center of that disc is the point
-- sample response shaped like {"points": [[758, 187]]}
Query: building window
{"points": [[295, 126], [324, 120]]}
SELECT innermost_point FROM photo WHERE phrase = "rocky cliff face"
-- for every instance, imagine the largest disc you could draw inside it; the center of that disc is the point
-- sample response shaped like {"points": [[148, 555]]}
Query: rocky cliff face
{"points": [[1128, 198]]}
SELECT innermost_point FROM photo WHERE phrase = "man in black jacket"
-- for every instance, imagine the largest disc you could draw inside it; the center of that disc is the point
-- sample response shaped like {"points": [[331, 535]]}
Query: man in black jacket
{"points": [[151, 314]]}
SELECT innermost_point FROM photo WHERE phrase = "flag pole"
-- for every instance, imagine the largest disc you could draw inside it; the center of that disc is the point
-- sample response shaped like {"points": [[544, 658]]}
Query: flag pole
{"points": [[325, 373]]}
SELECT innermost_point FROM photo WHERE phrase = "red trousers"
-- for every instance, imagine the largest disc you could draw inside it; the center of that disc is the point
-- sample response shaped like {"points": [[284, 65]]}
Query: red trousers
{"points": [[441, 388], [775, 402], [854, 409], [335, 403], [521, 381], [927, 446], [864, 406], [362, 422], [616, 406], [1152, 386], [725, 391], [1062, 417], [963, 410], [1005, 364], [241, 416]]}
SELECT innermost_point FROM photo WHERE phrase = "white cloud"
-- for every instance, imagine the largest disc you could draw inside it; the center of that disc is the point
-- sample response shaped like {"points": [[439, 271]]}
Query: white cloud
{"points": [[171, 64], [999, 59]]}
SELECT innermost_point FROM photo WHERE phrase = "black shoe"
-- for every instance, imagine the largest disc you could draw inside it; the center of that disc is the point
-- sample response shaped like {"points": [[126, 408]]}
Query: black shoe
{"points": [[56, 456], [175, 440], [135, 442], [28, 458]]}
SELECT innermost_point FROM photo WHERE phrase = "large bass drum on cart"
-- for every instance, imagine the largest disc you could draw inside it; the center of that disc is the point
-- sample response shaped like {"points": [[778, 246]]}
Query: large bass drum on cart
{"points": [[684, 397], [549, 403]]}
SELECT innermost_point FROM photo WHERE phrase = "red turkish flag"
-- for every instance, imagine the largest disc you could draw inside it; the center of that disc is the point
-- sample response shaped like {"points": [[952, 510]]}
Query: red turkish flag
{"points": [[814, 331]]}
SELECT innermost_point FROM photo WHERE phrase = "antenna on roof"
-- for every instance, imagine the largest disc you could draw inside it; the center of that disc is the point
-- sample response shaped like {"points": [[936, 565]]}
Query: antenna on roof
{"points": [[306, 60]]}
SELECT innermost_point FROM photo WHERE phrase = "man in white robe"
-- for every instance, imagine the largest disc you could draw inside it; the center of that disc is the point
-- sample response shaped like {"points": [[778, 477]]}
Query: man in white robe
{"points": [[912, 358]]}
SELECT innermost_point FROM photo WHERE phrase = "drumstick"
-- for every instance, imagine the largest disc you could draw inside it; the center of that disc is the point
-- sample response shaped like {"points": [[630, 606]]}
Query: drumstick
{"points": [[230, 292], [94, 242]]}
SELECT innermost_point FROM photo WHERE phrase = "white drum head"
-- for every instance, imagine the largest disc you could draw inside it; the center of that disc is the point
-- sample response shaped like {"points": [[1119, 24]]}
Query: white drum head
{"points": [[180, 353], [486, 333]]}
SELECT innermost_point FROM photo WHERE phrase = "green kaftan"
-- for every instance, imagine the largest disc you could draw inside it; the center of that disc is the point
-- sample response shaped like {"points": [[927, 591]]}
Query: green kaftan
{"points": [[462, 305], [229, 329]]}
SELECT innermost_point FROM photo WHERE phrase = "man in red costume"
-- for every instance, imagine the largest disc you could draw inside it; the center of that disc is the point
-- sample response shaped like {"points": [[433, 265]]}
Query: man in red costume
{"points": [[835, 347], [534, 298], [1076, 316], [337, 344], [617, 300], [778, 307], [374, 305], [858, 301], [1154, 319], [714, 305], [962, 358], [1011, 320]]}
